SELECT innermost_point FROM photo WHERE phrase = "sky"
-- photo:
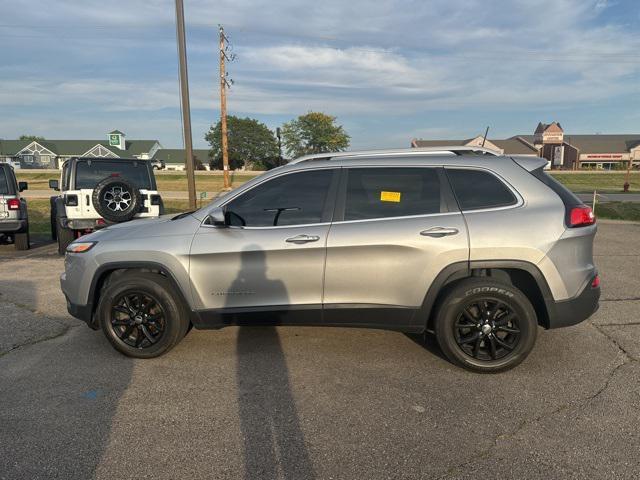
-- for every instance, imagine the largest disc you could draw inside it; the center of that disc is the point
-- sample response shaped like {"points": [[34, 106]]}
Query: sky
{"points": [[389, 70]]}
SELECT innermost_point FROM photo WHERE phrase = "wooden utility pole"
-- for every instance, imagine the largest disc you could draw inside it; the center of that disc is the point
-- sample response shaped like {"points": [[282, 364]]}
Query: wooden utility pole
{"points": [[223, 111], [184, 102]]}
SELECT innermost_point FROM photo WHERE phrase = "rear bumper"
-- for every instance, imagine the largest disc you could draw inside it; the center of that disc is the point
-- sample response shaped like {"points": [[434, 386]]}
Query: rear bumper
{"points": [[13, 226], [575, 310]]}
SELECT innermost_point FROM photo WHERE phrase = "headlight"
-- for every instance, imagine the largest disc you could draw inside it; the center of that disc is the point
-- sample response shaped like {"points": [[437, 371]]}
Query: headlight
{"points": [[80, 247]]}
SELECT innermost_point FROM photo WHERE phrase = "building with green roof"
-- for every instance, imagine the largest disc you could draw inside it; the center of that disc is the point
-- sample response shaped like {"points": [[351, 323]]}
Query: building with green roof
{"points": [[53, 153]]}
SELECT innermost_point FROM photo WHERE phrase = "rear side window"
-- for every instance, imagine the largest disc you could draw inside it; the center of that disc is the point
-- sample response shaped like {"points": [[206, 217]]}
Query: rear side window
{"points": [[391, 192], [4, 182], [477, 189]]}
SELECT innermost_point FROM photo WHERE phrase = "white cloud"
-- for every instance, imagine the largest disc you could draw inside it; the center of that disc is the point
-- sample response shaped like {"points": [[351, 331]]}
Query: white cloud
{"points": [[347, 58]]}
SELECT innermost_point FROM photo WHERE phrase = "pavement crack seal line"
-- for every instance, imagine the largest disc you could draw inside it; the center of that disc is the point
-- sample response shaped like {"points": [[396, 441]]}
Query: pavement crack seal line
{"points": [[488, 452], [630, 299], [65, 329], [36, 341]]}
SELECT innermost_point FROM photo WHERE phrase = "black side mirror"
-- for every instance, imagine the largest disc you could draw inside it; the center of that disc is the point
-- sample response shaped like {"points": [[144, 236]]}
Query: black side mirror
{"points": [[217, 218], [54, 184], [22, 186]]}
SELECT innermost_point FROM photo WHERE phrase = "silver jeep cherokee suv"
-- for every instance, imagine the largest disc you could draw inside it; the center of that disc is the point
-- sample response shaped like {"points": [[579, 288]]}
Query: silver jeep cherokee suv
{"points": [[478, 249]]}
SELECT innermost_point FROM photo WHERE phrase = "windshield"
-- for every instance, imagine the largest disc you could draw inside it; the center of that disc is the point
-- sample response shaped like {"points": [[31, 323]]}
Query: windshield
{"points": [[89, 173], [4, 182]]}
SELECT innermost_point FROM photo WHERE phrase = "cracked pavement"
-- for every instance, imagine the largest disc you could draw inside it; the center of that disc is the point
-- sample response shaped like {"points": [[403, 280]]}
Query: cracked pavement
{"points": [[315, 402]]}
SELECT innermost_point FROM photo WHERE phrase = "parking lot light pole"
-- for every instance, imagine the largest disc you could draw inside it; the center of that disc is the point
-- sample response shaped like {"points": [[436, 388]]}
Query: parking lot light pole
{"points": [[184, 102]]}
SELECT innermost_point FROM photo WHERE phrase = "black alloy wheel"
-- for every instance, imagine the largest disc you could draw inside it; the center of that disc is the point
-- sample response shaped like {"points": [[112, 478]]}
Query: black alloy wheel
{"points": [[137, 319], [487, 329], [485, 325]]}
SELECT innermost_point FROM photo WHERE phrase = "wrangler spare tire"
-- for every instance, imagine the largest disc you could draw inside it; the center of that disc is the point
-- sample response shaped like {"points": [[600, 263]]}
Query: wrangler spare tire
{"points": [[116, 199]]}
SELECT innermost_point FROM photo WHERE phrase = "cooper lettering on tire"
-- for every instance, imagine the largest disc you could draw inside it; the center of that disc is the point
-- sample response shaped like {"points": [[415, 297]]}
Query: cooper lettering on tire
{"points": [[116, 199]]}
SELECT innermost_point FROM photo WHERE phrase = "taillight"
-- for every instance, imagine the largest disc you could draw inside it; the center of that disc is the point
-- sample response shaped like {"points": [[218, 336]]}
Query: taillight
{"points": [[596, 281], [581, 216], [13, 204]]}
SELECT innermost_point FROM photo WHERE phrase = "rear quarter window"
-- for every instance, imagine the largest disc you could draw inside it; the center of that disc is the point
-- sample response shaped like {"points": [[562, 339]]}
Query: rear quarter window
{"points": [[478, 189]]}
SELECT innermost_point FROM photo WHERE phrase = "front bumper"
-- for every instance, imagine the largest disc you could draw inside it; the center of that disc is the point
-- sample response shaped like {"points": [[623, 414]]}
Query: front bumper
{"points": [[575, 310], [82, 312], [77, 275]]}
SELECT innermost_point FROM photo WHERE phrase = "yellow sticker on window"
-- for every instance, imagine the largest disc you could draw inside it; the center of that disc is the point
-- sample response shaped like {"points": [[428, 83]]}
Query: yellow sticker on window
{"points": [[390, 196]]}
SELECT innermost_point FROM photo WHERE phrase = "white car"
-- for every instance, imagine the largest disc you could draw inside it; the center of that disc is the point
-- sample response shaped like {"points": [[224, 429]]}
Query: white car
{"points": [[97, 192]]}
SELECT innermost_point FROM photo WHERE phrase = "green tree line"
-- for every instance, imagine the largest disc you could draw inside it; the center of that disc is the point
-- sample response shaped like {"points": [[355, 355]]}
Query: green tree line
{"points": [[252, 145]]}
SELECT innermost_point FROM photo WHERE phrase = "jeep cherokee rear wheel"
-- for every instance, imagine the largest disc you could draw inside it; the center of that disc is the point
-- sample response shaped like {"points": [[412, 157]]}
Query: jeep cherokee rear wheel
{"points": [[485, 326], [141, 315]]}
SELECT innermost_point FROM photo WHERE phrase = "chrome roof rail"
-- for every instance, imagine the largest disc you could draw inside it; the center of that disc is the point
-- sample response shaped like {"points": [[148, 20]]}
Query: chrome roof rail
{"points": [[444, 150]]}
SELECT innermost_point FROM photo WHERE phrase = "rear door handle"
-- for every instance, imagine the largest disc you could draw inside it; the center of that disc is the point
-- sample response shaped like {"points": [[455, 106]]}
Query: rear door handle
{"points": [[299, 239], [438, 232]]}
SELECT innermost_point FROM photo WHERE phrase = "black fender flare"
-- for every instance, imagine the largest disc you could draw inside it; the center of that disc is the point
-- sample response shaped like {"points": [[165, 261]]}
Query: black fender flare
{"points": [[99, 275], [459, 270], [57, 203]]}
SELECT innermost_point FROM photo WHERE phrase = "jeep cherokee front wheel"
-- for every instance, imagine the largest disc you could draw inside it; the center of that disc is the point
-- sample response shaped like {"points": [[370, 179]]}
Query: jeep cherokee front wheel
{"points": [[141, 314], [485, 326]]}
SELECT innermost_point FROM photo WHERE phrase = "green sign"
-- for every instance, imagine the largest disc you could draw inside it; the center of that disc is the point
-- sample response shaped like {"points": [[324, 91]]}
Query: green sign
{"points": [[203, 195], [114, 140]]}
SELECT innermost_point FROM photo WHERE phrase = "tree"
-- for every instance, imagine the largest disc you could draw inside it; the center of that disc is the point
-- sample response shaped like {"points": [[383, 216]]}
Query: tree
{"points": [[314, 132], [250, 142], [33, 138]]}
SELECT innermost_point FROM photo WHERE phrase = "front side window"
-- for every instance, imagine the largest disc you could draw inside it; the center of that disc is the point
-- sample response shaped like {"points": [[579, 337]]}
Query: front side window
{"points": [[477, 189], [391, 192], [294, 199], [90, 172]]}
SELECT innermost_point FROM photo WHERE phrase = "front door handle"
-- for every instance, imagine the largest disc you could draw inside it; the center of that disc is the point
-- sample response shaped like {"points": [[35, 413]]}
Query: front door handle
{"points": [[438, 232], [299, 239]]}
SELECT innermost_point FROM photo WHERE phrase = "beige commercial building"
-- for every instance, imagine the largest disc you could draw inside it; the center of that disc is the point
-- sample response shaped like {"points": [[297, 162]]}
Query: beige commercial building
{"points": [[563, 151]]}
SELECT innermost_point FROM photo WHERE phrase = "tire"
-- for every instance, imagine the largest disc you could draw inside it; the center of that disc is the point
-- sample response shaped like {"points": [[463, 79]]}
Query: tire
{"points": [[64, 236], [125, 327], [116, 199], [507, 331], [21, 241]]}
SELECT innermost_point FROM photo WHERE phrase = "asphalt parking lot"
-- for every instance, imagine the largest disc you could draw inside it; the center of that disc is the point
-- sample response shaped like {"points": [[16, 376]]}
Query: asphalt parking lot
{"points": [[299, 403]]}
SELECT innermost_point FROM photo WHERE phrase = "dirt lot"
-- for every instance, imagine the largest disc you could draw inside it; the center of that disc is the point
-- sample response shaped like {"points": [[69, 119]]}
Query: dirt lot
{"points": [[301, 403]]}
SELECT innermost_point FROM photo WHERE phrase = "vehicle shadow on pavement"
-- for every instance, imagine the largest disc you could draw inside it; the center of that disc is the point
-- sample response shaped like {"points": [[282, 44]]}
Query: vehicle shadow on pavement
{"points": [[59, 392], [429, 342], [274, 445]]}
